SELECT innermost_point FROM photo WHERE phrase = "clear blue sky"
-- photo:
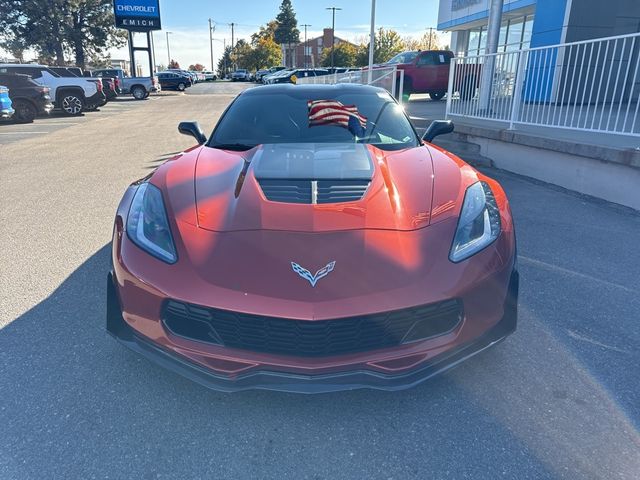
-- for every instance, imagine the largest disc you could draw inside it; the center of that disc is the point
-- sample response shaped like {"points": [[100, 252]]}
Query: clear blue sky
{"points": [[187, 20]]}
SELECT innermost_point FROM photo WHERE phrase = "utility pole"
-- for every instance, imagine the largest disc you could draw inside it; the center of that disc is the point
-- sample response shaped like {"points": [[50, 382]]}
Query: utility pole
{"points": [[305, 25], [211, 30], [333, 30], [168, 51], [430, 37], [493, 35], [372, 41], [232, 38]]}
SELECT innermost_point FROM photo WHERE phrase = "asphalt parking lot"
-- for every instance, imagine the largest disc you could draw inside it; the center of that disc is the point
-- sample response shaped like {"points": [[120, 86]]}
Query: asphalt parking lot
{"points": [[11, 132], [558, 399]]}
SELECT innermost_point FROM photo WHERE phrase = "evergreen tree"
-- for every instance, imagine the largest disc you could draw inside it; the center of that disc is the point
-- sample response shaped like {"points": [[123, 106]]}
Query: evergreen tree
{"points": [[287, 30], [224, 64]]}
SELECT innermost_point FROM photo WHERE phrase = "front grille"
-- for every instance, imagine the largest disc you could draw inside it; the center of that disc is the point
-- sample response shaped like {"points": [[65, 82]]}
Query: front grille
{"points": [[289, 191], [332, 191], [309, 338], [313, 191]]}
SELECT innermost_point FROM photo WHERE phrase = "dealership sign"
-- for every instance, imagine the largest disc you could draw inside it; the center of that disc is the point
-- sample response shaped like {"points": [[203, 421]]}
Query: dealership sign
{"points": [[137, 15]]}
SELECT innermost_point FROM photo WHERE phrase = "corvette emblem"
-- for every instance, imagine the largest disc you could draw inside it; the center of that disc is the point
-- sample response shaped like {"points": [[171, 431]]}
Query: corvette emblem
{"points": [[313, 279]]}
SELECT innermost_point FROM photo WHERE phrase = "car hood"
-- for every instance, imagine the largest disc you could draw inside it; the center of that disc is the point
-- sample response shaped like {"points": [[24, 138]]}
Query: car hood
{"points": [[224, 191]]}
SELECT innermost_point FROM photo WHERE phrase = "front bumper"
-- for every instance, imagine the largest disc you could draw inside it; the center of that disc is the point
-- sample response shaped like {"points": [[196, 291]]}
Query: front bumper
{"points": [[299, 383]]}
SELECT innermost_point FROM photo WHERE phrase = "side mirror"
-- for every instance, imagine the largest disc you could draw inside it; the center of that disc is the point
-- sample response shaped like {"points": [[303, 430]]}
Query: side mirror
{"points": [[193, 129], [437, 127]]}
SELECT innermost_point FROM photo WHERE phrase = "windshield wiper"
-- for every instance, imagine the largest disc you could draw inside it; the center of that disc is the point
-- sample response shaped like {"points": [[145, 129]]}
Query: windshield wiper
{"points": [[238, 147]]}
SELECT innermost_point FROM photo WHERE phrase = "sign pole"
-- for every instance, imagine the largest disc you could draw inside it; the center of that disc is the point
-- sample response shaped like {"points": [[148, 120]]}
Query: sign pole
{"points": [[150, 55], [132, 60]]}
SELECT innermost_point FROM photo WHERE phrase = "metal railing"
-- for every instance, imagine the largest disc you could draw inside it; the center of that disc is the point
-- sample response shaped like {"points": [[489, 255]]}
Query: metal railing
{"points": [[389, 78], [591, 85]]}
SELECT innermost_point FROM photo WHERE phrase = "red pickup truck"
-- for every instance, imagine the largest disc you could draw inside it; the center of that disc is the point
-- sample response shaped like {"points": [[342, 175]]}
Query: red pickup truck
{"points": [[427, 71]]}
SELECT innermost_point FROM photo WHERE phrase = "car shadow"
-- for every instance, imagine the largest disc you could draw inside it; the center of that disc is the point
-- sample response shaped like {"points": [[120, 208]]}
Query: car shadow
{"points": [[78, 404]]}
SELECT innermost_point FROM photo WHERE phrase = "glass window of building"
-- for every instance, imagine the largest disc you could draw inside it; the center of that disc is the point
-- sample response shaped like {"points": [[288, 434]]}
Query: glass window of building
{"points": [[474, 41], [528, 28]]}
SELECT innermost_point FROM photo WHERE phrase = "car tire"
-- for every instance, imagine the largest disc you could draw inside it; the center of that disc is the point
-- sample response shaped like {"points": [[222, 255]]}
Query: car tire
{"points": [[437, 96], [71, 103], [25, 111], [181, 87], [138, 92]]}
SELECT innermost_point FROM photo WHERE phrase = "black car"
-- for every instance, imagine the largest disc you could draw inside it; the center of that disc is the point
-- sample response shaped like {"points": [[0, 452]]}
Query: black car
{"points": [[28, 97], [173, 81]]}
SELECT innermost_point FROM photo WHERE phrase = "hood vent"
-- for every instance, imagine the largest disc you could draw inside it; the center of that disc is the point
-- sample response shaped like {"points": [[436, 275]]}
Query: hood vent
{"points": [[313, 191]]}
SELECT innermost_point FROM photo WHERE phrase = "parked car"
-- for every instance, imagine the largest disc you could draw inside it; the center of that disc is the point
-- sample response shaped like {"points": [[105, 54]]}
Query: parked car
{"points": [[291, 76], [427, 71], [139, 87], [271, 77], [29, 98], [191, 75], [339, 310], [209, 76], [174, 81], [70, 94], [75, 72], [109, 85], [6, 110], [260, 74], [240, 75]]}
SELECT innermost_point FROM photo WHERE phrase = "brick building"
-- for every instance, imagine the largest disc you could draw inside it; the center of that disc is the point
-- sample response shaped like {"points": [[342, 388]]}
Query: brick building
{"points": [[310, 53]]}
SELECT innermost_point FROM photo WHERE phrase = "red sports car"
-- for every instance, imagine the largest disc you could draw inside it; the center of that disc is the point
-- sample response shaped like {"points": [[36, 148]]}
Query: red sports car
{"points": [[313, 243]]}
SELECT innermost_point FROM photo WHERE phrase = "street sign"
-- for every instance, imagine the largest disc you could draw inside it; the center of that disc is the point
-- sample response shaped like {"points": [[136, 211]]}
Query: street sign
{"points": [[137, 15]]}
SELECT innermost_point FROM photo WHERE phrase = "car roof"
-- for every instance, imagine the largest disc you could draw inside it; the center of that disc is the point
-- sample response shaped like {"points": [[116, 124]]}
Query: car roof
{"points": [[23, 65], [313, 90]]}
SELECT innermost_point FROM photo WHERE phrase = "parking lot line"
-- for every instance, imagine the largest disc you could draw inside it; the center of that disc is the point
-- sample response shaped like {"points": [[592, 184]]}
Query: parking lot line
{"points": [[46, 122], [20, 133]]}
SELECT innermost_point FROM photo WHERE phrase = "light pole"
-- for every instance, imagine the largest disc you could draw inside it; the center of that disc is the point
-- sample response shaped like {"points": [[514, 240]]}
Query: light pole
{"points": [[305, 25], [232, 43], [372, 41], [333, 30], [493, 35], [168, 51], [211, 30]]}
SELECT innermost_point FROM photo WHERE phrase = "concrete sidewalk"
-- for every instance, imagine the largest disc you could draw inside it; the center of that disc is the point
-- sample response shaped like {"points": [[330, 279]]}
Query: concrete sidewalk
{"points": [[605, 166]]}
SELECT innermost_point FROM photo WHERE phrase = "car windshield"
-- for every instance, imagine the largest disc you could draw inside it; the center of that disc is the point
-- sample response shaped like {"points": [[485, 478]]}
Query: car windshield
{"points": [[404, 57], [314, 116]]}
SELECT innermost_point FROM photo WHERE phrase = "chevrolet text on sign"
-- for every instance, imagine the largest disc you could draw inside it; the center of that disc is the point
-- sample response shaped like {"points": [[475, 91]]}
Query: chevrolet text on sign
{"points": [[137, 14]]}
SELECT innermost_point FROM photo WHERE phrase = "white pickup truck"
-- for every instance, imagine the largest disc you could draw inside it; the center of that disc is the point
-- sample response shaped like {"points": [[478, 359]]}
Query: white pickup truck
{"points": [[71, 95], [139, 87]]}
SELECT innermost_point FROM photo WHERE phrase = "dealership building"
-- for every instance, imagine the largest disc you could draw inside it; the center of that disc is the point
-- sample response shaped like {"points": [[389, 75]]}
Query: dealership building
{"points": [[536, 23]]}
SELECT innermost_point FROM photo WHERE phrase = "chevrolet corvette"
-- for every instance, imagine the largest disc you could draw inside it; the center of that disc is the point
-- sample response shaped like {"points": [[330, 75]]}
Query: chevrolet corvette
{"points": [[313, 243]]}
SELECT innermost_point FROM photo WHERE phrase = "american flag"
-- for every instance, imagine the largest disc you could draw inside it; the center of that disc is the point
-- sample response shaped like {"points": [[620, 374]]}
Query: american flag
{"points": [[333, 112]]}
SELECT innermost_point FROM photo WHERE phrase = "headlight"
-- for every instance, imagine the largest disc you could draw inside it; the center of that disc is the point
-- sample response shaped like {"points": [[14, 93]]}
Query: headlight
{"points": [[479, 222], [147, 224]]}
